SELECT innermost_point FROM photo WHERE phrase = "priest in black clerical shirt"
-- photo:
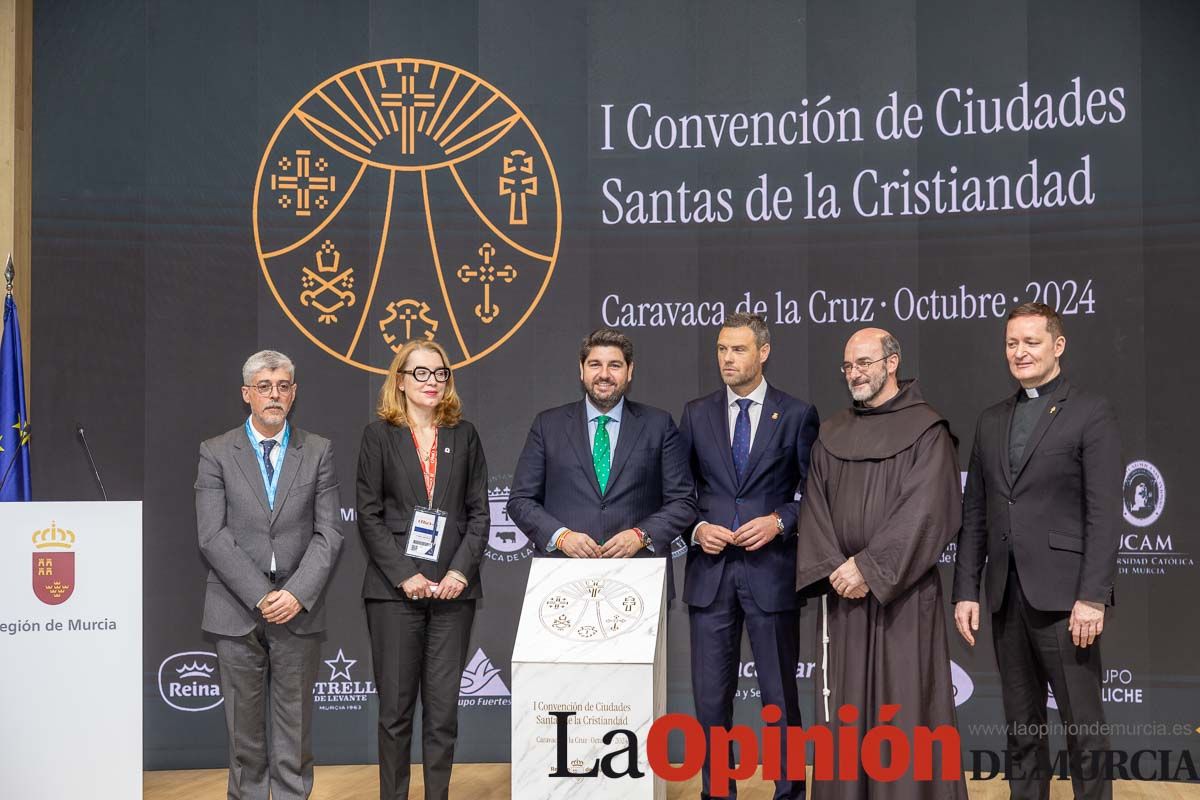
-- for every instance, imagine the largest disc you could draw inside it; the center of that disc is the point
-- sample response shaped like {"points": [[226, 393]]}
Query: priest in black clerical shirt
{"points": [[1041, 508]]}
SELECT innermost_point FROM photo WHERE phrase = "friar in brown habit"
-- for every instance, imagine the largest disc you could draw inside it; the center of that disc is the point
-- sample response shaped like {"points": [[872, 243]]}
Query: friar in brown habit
{"points": [[883, 499]]}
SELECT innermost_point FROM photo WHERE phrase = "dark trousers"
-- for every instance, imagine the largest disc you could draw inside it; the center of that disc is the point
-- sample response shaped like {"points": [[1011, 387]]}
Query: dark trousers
{"points": [[716, 638], [1034, 648], [269, 666], [416, 646]]}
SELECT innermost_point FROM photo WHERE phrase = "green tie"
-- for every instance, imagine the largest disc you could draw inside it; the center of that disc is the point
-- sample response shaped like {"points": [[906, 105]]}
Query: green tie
{"points": [[600, 452]]}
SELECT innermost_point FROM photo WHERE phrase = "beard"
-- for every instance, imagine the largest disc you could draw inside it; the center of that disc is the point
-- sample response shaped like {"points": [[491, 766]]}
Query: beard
{"points": [[605, 402], [866, 392], [739, 378]]}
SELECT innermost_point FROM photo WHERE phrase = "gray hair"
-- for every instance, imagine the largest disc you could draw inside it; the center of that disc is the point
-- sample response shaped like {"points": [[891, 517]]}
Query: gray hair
{"points": [[755, 322], [266, 360], [891, 346]]}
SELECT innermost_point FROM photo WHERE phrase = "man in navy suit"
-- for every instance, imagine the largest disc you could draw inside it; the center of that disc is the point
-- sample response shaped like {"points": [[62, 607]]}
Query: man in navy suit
{"points": [[603, 477], [748, 445]]}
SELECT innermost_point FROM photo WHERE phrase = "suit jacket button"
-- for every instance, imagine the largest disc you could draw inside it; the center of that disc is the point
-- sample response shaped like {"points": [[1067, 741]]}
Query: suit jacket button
{"points": [[1004, 537], [738, 501], [603, 506], [1012, 502]]}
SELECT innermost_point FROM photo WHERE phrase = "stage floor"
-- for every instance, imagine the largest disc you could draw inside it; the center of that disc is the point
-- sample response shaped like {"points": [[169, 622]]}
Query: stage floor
{"points": [[491, 782]]}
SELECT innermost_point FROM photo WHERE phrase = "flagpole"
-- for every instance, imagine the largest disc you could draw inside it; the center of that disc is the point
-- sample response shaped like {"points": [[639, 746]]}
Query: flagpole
{"points": [[23, 431], [22, 441]]}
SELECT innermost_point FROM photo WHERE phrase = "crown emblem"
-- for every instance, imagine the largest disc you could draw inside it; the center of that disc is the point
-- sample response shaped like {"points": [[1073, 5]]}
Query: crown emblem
{"points": [[195, 670], [498, 492], [53, 536]]}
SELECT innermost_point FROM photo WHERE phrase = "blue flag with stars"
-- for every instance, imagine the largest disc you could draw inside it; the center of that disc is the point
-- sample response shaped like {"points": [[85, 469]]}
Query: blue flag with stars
{"points": [[14, 421]]}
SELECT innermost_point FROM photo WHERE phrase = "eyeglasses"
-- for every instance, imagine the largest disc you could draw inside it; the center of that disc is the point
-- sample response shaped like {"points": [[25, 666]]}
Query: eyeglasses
{"points": [[862, 364], [264, 388], [421, 374]]}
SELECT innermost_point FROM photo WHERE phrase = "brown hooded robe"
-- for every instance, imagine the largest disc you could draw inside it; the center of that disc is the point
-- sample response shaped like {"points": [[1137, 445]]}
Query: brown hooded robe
{"points": [[884, 487]]}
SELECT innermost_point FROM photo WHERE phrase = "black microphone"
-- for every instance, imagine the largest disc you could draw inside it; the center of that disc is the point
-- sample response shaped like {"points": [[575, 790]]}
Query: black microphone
{"points": [[96, 472]]}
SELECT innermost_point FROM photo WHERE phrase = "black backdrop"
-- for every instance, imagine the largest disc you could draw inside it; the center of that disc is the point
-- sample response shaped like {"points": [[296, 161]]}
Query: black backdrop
{"points": [[153, 121]]}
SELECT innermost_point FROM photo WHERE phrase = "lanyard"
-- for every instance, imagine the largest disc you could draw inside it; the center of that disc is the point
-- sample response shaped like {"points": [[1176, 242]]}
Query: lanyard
{"points": [[272, 484], [428, 464]]}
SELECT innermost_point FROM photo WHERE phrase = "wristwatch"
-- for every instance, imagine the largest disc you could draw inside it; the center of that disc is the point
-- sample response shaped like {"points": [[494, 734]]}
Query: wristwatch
{"points": [[778, 522], [645, 537]]}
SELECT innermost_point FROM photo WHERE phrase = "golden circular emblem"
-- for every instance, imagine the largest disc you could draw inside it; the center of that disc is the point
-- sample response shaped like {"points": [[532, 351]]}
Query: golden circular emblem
{"points": [[406, 199]]}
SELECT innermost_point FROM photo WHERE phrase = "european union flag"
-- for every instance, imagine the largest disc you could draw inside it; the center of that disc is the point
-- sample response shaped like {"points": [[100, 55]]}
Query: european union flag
{"points": [[15, 482]]}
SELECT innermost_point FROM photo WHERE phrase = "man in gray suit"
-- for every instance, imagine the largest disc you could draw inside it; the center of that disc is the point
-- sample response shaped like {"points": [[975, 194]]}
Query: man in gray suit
{"points": [[266, 512]]}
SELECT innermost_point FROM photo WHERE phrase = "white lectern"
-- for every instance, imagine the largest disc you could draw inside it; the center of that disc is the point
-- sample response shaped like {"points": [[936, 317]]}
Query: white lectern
{"points": [[71, 643], [591, 640]]}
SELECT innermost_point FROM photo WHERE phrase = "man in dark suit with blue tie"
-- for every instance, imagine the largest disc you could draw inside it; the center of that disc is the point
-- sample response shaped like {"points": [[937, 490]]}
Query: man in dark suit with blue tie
{"points": [[748, 445], [603, 477]]}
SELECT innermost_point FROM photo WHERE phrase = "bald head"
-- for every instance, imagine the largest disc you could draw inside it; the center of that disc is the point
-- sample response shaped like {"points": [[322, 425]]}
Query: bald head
{"points": [[870, 364]]}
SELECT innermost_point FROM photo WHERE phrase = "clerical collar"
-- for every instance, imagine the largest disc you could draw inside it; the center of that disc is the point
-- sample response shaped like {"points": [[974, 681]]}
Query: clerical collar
{"points": [[1047, 387]]}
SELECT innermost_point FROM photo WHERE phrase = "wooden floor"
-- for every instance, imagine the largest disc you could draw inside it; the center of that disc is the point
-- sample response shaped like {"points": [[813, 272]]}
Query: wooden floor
{"points": [[491, 782]]}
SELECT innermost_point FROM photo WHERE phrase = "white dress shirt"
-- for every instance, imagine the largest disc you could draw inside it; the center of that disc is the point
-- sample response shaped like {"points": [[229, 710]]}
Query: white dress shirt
{"points": [[613, 426], [732, 410]]}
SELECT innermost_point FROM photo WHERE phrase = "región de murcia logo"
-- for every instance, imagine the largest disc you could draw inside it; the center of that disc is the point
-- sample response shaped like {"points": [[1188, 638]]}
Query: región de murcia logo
{"points": [[404, 199], [53, 564]]}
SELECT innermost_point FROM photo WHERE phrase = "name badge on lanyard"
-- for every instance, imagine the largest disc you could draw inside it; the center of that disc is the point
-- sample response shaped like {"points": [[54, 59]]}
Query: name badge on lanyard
{"points": [[425, 533], [425, 530], [272, 484]]}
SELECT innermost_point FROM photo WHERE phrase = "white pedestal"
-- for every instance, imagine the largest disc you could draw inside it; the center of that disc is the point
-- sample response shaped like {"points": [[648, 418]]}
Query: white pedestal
{"points": [[71, 594], [592, 639]]}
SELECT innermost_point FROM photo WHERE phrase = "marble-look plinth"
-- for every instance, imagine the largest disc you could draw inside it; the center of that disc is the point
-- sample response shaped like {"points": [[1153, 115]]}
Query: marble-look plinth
{"points": [[591, 639]]}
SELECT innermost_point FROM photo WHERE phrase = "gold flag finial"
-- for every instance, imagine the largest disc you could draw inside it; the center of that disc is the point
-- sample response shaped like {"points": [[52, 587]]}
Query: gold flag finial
{"points": [[8, 276]]}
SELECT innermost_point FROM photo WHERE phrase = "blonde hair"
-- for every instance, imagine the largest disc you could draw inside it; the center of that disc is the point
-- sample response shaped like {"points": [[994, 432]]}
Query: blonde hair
{"points": [[392, 400]]}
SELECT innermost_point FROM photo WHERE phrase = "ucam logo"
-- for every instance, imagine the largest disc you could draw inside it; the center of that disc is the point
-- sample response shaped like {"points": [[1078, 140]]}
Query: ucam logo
{"points": [[964, 687], [1144, 494], [1145, 551], [188, 681]]}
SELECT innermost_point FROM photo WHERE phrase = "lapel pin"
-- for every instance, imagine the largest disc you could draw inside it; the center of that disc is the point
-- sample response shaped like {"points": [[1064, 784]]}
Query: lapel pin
{"points": [[447, 450], [1053, 409], [775, 415]]}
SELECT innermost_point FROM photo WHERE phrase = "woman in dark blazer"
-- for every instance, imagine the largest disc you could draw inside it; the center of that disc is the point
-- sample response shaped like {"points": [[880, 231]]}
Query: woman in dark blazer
{"points": [[420, 454]]}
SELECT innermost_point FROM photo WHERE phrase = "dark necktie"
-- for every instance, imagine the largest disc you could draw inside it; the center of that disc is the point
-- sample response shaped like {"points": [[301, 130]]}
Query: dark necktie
{"points": [[268, 445], [741, 447]]}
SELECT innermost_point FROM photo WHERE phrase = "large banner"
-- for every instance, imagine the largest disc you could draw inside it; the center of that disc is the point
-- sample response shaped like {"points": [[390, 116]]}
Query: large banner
{"points": [[330, 179]]}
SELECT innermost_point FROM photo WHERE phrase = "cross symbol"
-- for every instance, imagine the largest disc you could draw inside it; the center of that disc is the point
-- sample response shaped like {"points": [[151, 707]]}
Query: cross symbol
{"points": [[517, 188], [303, 183], [487, 273], [408, 100]]}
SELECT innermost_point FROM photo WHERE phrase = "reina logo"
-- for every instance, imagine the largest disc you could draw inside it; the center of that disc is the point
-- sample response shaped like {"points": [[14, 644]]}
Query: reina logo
{"points": [[53, 564], [188, 681]]}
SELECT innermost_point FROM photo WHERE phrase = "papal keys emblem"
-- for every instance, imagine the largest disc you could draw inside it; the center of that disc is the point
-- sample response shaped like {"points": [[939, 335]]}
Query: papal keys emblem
{"points": [[53, 564], [406, 199]]}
